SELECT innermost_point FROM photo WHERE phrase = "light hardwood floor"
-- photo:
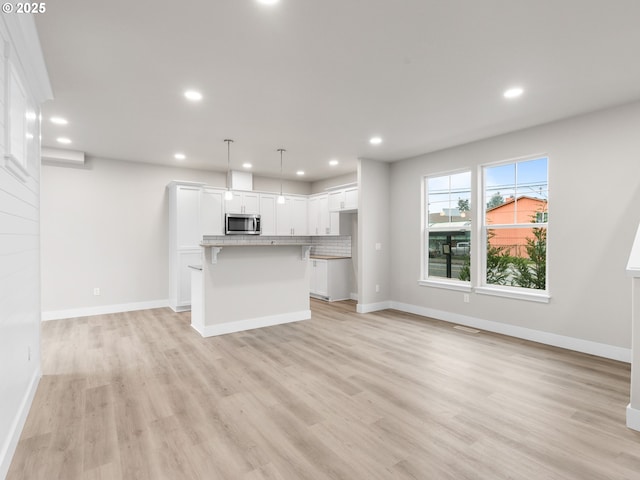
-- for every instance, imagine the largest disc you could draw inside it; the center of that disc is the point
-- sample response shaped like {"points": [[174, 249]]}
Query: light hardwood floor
{"points": [[343, 396]]}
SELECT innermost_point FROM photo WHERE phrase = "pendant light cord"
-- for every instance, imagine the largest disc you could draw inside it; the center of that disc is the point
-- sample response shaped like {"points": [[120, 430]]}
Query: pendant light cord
{"points": [[281, 150]]}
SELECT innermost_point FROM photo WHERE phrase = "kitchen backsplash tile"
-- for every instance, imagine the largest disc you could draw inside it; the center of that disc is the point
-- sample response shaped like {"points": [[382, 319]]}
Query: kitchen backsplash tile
{"points": [[339, 246]]}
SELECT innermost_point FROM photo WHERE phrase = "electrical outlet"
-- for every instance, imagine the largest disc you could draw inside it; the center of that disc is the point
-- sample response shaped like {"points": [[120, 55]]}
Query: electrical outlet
{"points": [[378, 246], [29, 353], [466, 298], [96, 291], [377, 288]]}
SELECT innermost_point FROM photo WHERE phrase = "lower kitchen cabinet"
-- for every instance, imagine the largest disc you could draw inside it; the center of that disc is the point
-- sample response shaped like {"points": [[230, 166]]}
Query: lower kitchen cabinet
{"points": [[330, 278]]}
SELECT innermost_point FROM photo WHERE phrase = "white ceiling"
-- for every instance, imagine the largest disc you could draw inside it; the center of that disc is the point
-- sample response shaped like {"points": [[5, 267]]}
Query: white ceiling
{"points": [[320, 77]]}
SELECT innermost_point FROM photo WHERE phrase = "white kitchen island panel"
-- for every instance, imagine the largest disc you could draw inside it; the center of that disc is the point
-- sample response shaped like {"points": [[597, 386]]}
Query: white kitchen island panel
{"points": [[251, 286]]}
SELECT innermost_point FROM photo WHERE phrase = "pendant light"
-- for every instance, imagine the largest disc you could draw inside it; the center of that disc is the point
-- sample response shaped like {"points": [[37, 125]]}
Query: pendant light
{"points": [[228, 195], [281, 197]]}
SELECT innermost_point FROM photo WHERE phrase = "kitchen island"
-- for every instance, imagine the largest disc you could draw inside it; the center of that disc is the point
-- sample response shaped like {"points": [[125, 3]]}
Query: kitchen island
{"points": [[242, 286]]}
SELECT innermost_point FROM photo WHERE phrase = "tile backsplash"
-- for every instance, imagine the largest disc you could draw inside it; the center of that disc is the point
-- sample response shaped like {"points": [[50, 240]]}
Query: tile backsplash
{"points": [[339, 246]]}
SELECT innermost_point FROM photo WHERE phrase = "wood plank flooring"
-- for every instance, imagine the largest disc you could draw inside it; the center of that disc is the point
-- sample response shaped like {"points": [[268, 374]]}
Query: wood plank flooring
{"points": [[386, 395]]}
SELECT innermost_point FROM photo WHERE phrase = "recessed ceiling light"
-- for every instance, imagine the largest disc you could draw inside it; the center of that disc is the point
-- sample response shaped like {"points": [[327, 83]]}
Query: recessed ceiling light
{"points": [[179, 156], [59, 120], [300, 172], [268, 2], [246, 165], [193, 95], [333, 163], [64, 140], [375, 140], [513, 92]]}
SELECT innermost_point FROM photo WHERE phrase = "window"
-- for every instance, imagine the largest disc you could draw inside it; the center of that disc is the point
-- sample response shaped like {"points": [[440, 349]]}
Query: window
{"points": [[514, 227], [447, 232]]}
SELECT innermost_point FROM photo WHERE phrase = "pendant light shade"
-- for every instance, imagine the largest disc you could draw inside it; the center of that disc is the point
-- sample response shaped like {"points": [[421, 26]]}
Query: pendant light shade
{"points": [[281, 197], [228, 195]]}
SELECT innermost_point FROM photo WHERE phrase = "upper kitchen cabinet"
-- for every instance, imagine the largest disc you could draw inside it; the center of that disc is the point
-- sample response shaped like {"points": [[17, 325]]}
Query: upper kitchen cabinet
{"points": [[321, 220], [212, 211], [268, 213], [184, 216], [243, 202], [291, 216], [344, 199]]}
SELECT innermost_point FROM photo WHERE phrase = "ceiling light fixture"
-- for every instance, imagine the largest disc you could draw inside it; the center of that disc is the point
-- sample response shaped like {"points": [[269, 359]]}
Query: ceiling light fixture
{"points": [[268, 2], [300, 173], [281, 197], [64, 140], [179, 156], [247, 165], [228, 195], [375, 140], [333, 163], [193, 95], [59, 120], [514, 92]]}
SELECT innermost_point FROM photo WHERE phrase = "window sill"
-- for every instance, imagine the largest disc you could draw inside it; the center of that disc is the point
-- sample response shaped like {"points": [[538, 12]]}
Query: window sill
{"points": [[517, 294], [457, 286]]}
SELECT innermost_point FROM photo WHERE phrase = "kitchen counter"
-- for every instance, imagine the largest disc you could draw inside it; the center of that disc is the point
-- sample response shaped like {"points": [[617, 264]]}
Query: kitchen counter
{"points": [[242, 288]]}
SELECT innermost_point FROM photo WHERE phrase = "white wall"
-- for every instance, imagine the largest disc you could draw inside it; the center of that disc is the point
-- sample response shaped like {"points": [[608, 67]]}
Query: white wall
{"points": [[594, 182], [105, 225], [267, 184], [19, 238], [373, 228], [320, 186]]}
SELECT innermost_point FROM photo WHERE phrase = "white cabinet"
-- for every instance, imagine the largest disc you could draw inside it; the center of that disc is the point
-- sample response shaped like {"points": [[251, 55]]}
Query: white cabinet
{"points": [[313, 219], [212, 211], [318, 278], [186, 258], [268, 213], [291, 216], [321, 220], [330, 278], [243, 202], [185, 234], [345, 199], [187, 227]]}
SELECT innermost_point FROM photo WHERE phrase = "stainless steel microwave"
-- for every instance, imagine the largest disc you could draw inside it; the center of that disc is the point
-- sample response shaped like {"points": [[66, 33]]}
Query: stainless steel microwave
{"points": [[242, 224]]}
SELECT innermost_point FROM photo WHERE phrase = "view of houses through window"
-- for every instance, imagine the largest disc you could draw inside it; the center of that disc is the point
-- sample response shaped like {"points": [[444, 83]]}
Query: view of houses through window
{"points": [[448, 226], [515, 224]]}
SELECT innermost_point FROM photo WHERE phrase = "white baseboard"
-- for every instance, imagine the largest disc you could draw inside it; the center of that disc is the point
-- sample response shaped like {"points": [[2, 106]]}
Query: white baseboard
{"points": [[547, 338], [103, 309], [251, 323], [373, 307], [633, 418], [13, 436]]}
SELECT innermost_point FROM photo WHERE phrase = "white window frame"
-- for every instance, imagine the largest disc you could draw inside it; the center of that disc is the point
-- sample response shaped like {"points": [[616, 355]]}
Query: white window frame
{"points": [[441, 282], [535, 295]]}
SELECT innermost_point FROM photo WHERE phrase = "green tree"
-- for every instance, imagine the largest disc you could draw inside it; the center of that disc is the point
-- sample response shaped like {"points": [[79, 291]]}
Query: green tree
{"points": [[463, 205], [532, 272], [498, 263], [465, 270], [495, 201]]}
